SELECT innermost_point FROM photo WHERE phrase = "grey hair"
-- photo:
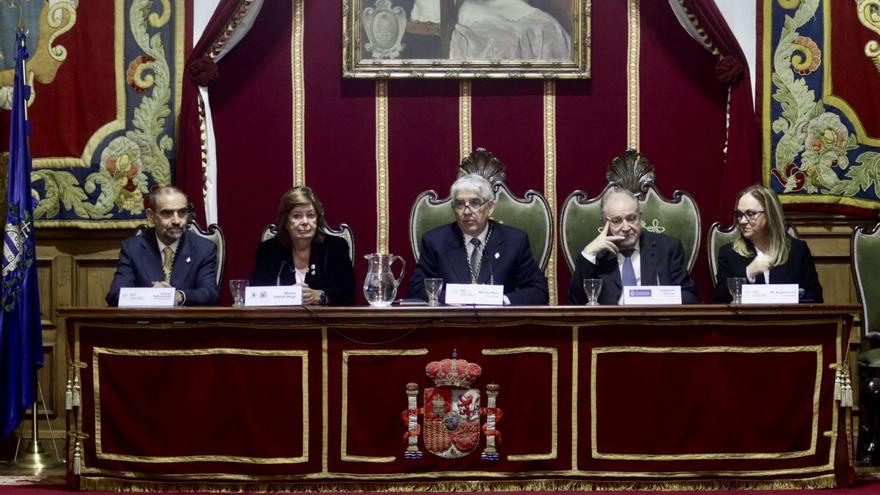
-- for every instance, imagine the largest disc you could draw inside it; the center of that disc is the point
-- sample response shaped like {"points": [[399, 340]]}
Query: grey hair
{"points": [[473, 182], [618, 190]]}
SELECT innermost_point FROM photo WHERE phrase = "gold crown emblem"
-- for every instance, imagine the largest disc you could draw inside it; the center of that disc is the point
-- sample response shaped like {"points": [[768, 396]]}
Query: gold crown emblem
{"points": [[453, 372]]}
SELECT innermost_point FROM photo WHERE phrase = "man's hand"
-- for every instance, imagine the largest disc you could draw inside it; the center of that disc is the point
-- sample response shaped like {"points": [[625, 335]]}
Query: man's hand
{"points": [[311, 296], [602, 242], [178, 296], [759, 265]]}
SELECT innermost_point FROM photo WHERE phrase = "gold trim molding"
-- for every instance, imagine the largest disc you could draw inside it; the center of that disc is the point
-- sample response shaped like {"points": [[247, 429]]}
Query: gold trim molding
{"points": [[550, 180], [814, 435], [96, 383], [632, 73], [465, 145], [381, 166], [299, 94], [343, 437], [554, 398]]}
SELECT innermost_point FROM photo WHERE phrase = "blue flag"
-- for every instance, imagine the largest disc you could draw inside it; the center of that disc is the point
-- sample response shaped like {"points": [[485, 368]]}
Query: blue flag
{"points": [[21, 333]]}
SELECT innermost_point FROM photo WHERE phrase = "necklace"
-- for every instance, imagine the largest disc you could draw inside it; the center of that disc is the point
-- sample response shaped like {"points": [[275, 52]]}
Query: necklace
{"points": [[482, 254]]}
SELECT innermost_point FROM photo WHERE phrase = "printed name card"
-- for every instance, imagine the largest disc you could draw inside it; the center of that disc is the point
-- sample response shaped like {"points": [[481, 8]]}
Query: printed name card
{"points": [[271, 295], [651, 294], [770, 293], [483, 295], [147, 297]]}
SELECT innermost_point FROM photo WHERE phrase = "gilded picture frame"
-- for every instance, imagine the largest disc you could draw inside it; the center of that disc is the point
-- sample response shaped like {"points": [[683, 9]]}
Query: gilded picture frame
{"points": [[462, 39]]}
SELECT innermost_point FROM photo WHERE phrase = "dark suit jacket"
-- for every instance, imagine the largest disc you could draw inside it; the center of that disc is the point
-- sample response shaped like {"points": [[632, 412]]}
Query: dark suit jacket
{"points": [[507, 260], [194, 271], [662, 262], [330, 268], [800, 269]]}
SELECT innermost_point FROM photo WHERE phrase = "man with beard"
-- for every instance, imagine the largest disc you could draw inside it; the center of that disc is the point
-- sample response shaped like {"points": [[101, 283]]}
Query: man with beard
{"points": [[623, 255], [165, 256]]}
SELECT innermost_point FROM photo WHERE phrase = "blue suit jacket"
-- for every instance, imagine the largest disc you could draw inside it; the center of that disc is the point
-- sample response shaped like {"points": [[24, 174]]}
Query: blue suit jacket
{"points": [[507, 260], [661, 259], [194, 271]]}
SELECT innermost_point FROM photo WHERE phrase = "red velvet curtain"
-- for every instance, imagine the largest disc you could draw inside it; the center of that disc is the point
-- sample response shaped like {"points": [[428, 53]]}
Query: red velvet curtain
{"points": [[201, 71], [742, 166]]}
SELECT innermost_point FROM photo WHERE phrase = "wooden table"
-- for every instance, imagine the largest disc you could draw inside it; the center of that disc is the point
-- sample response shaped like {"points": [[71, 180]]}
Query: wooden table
{"points": [[690, 396]]}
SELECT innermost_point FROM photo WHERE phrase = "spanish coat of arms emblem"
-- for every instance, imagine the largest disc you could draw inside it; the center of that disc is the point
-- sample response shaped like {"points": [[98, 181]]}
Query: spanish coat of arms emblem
{"points": [[452, 412]]}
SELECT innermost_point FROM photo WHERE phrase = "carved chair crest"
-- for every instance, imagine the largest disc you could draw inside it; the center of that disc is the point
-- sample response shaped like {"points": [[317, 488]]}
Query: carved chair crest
{"points": [[679, 217], [631, 171], [530, 213], [483, 163]]}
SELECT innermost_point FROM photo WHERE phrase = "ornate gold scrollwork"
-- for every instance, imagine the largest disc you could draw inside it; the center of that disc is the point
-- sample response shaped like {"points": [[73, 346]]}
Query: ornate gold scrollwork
{"points": [[869, 16], [157, 20]]}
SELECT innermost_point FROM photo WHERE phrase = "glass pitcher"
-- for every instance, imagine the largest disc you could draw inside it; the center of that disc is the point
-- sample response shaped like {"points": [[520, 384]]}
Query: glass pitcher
{"points": [[380, 286]]}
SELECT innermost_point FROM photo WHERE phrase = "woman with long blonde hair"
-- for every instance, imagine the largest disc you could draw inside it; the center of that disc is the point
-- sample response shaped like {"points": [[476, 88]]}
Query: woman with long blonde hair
{"points": [[763, 252]]}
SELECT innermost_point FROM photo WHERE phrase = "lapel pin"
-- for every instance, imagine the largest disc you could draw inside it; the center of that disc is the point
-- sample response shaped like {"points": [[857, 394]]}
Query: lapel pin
{"points": [[188, 259], [497, 255]]}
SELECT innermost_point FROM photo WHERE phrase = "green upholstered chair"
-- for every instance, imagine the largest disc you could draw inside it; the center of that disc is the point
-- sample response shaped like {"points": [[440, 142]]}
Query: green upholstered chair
{"points": [[865, 256], [679, 217], [344, 231], [530, 214], [213, 234], [719, 236]]}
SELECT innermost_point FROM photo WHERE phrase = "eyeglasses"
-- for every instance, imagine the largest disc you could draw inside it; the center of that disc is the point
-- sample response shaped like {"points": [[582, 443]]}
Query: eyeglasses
{"points": [[750, 215], [632, 219], [474, 204]]}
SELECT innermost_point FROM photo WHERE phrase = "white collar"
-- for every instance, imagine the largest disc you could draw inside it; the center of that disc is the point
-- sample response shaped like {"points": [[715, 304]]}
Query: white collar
{"points": [[482, 237], [174, 245]]}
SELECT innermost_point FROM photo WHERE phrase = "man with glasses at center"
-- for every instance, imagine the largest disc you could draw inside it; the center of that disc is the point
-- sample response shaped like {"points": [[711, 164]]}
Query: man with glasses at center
{"points": [[474, 249], [624, 255]]}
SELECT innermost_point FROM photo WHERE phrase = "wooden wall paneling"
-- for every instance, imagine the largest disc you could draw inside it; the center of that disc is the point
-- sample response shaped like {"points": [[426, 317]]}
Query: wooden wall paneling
{"points": [[74, 268], [830, 248], [93, 275]]}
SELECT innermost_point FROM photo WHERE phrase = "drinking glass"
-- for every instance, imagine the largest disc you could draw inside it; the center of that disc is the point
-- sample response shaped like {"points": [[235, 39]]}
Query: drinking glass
{"points": [[592, 287], [433, 286], [735, 285], [237, 286]]}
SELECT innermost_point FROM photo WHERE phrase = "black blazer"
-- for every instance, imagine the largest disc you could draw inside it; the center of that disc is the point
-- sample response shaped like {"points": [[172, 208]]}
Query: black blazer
{"points": [[800, 269], [662, 262], [507, 260], [330, 268], [194, 271]]}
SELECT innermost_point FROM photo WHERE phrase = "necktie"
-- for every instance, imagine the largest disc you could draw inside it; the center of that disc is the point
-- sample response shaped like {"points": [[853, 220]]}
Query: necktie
{"points": [[629, 273], [475, 260], [167, 259]]}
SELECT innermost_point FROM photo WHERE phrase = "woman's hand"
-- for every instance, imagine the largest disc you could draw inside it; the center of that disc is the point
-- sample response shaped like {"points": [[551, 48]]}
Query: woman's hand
{"points": [[311, 296], [759, 265]]}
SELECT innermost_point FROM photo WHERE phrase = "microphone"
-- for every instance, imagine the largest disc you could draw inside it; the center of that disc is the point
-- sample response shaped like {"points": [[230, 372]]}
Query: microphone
{"points": [[491, 270], [278, 275], [654, 261]]}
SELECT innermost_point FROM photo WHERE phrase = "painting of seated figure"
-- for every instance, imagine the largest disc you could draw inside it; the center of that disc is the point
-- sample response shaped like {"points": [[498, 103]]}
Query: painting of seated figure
{"points": [[466, 38]]}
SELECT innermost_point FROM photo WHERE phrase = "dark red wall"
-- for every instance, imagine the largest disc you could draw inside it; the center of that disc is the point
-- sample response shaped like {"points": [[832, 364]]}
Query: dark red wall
{"points": [[681, 121]]}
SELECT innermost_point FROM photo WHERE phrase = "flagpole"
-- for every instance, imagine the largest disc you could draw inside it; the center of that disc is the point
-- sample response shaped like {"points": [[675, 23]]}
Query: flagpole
{"points": [[35, 456]]}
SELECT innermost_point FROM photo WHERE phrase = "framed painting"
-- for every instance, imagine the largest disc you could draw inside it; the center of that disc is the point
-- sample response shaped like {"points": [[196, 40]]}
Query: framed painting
{"points": [[466, 38]]}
